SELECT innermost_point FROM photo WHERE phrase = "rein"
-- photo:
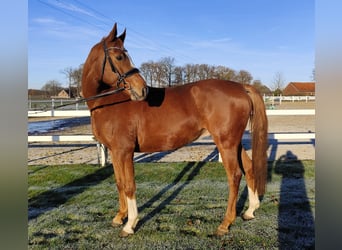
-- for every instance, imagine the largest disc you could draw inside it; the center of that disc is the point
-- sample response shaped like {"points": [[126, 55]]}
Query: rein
{"points": [[114, 91]]}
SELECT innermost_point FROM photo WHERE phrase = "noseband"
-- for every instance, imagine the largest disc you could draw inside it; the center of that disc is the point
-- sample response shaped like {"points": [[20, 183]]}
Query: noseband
{"points": [[121, 77]]}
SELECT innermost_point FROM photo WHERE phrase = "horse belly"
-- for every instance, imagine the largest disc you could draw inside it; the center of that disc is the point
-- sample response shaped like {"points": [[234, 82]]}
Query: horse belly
{"points": [[169, 137]]}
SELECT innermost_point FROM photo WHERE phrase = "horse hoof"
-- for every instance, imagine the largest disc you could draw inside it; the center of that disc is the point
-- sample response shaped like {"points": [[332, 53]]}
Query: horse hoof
{"points": [[116, 224], [117, 221], [247, 217], [220, 232], [124, 234]]}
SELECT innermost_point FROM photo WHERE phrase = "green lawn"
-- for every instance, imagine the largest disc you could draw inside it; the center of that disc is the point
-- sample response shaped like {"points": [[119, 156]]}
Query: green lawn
{"points": [[180, 206]]}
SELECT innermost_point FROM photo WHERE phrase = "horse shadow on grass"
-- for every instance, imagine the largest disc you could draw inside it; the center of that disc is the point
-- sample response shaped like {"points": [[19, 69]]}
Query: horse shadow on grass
{"points": [[192, 168], [53, 198]]}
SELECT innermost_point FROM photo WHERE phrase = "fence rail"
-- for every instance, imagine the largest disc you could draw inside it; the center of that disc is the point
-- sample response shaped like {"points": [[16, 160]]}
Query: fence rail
{"points": [[83, 113], [88, 138], [279, 99]]}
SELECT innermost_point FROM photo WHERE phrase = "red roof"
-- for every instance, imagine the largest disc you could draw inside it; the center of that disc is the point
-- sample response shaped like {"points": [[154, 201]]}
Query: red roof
{"points": [[300, 88]]}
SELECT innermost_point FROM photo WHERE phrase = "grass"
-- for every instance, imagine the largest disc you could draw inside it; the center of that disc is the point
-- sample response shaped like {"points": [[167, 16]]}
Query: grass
{"points": [[180, 206]]}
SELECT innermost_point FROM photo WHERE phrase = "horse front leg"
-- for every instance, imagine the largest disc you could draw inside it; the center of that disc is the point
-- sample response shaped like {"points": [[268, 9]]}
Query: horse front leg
{"points": [[123, 166], [120, 180]]}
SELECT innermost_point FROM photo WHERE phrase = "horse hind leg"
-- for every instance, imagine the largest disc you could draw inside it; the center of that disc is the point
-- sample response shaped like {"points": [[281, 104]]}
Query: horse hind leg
{"points": [[234, 174], [253, 197]]}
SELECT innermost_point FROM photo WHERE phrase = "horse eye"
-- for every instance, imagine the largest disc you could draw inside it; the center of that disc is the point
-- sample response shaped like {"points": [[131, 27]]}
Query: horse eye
{"points": [[119, 58]]}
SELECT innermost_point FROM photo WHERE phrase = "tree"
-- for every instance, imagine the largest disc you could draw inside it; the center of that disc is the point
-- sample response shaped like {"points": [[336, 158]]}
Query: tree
{"points": [[53, 87], [261, 88], [168, 65], [190, 73], [146, 69], [244, 77], [278, 83], [68, 74], [77, 79], [179, 75], [224, 73], [164, 73], [74, 77]]}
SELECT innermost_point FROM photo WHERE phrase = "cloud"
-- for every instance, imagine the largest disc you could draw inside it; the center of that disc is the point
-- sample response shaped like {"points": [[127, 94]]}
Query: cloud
{"points": [[73, 8], [47, 21], [213, 43], [60, 29]]}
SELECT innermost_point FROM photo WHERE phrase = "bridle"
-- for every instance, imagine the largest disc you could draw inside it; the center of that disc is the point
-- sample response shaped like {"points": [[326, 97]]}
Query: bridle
{"points": [[121, 77]]}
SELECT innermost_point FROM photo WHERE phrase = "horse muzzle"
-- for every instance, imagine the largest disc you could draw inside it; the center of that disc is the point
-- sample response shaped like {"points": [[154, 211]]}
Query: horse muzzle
{"points": [[139, 96]]}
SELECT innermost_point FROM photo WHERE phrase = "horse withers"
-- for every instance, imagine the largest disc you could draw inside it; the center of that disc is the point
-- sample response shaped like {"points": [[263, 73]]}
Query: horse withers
{"points": [[146, 119]]}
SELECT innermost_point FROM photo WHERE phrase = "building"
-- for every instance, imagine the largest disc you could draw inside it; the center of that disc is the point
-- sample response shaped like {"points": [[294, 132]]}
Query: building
{"points": [[64, 93], [299, 89], [34, 94]]}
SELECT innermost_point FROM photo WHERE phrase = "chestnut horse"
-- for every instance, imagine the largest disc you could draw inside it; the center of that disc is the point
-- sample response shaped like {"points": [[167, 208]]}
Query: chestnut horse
{"points": [[146, 119]]}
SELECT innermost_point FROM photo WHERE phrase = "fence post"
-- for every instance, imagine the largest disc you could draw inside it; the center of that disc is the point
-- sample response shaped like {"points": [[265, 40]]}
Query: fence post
{"points": [[52, 107], [76, 99], [102, 154]]}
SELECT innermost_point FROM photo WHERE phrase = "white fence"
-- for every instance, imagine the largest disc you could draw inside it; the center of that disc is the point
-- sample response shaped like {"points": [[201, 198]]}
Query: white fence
{"points": [[279, 99], [103, 150]]}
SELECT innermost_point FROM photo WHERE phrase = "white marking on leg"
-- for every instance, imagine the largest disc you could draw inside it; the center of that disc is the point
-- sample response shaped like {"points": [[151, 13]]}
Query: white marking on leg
{"points": [[132, 216], [254, 203]]}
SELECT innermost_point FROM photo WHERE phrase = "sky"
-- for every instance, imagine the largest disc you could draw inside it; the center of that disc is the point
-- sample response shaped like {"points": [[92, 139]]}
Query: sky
{"points": [[264, 37]]}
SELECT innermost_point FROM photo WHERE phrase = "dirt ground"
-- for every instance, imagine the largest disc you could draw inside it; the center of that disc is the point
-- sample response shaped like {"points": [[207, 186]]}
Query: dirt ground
{"points": [[201, 150]]}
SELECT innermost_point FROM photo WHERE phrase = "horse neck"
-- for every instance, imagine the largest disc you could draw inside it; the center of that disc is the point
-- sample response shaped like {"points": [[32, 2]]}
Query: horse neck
{"points": [[91, 76]]}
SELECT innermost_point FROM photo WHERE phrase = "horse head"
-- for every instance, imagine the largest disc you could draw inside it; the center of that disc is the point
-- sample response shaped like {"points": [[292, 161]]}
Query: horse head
{"points": [[109, 64]]}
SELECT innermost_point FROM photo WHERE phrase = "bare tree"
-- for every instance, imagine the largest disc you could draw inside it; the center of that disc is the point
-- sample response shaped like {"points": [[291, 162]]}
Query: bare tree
{"points": [[147, 72], [68, 71], [205, 71], [164, 73], [278, 83], [168, 65], [53, 87], [179, 75], [260, 87], [74, 77], [190, 73], [224, 73], [77, 79], [244, 77]]}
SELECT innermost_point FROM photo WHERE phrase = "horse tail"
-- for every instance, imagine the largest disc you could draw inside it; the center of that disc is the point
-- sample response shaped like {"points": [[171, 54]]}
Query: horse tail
{"points": [[259, 126]]}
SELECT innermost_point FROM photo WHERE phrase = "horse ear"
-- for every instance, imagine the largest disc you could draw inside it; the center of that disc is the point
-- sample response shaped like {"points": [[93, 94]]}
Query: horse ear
{"points": [[123, 36], [112, 35]]}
